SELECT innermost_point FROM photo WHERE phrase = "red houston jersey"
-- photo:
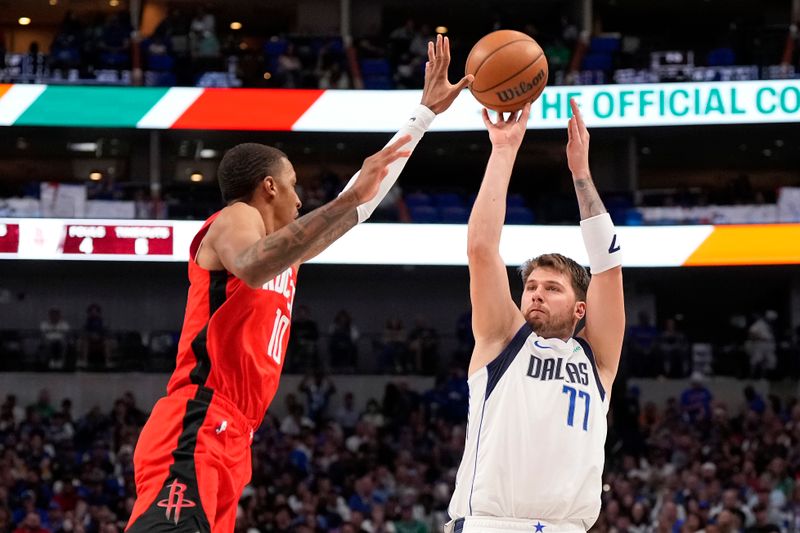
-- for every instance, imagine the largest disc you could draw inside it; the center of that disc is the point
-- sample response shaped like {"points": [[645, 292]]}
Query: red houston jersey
{"points": [[234, 338]]}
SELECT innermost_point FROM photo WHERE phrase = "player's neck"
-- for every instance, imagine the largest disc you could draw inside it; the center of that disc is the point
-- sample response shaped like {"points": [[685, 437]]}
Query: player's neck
{"points": [[267, 214]]}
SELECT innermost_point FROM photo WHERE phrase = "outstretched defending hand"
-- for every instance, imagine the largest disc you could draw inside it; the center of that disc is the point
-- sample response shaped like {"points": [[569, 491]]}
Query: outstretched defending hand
{"points": [[438, 93], [376, 167], [578, 144], [510, 131]]}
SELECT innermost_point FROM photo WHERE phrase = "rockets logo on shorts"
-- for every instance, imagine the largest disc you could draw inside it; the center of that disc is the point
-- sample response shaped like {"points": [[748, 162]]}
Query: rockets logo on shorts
{"points": [[176, 501]]}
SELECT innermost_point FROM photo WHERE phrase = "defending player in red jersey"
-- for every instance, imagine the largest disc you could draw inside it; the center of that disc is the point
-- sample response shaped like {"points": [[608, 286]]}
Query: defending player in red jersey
{"points": [[192, 460]]}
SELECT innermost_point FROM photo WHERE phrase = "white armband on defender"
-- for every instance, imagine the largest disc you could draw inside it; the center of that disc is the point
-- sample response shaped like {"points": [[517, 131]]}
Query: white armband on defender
{"points": [[416, 126], [601, 242]]}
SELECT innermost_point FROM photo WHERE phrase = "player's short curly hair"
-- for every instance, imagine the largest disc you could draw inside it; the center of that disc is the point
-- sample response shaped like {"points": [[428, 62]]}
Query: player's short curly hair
{"points": [[243, 167], [577, 274]]}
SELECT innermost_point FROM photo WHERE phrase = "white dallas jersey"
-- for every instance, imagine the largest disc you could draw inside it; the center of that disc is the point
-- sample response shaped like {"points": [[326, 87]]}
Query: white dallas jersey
{"points": [[536, 434]]}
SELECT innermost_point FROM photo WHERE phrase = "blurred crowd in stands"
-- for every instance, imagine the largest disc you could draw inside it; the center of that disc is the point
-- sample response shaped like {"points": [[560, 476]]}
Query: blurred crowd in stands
{"points": [[415, 347], [190, 47], [736, 201], [692, 464], [194, 45], [753, 346], [759, 346]]}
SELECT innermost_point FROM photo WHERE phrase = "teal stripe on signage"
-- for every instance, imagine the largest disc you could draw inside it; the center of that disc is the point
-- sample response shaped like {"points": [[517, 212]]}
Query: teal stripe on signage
{"points": [[119, 107]]}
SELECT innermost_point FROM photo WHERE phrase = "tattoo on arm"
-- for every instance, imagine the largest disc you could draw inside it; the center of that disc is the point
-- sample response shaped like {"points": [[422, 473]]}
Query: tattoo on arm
{"points": [[336, 230], [589, 200], [310, 233]]}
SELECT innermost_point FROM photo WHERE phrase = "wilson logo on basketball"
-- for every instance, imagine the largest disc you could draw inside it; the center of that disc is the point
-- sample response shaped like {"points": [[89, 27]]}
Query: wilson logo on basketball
{"points": [[175, 501], [523, 87]]}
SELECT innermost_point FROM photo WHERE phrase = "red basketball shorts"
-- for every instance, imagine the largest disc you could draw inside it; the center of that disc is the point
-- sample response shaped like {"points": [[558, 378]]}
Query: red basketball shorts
{"points": [[191, 464]]}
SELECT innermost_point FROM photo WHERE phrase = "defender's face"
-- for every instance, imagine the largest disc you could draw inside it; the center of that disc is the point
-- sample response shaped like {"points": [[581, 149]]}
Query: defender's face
{"points": [[286, 202], [549, 303]]}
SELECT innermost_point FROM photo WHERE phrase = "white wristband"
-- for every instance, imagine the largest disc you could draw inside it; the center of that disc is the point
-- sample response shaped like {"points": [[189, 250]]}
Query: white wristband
{"points": [[601, 242], [416, 126]]}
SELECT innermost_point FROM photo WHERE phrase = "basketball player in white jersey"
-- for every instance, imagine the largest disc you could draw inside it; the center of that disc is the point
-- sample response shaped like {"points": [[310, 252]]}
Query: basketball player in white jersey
{"points": [[539, 391]]}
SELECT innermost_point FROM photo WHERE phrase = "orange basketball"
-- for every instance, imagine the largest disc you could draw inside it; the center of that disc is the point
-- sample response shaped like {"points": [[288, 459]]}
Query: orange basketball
{"points": [[510, 70]]}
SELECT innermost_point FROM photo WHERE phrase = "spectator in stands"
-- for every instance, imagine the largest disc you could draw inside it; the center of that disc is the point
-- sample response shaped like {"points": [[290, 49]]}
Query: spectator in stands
{"points": [[465, 339], [418, 51], [55, 338], [176, 27], [400, 39], [318, 390], [641, 345], [43, 406], [423, 341], [732, 504], [31, 524], [558, 55], [66, 410], [65, 52], [290, 68], [754, 400], [733, 360], [303, 352], [342, 343], [395, 352], [313, 195], [760, 345], [449, 400], [71, 24], [296, 420], [696, 401], [391, 472], [347, 415], [408, 523], [330, 70], [370, 46], [6, 524], [30, 516], [15, 412], [793, 509], [205, 53], [114, 42], [673, 348], [158, 44], [372, 415], [94, 338], [419, 41], [406, 73], [333, 76], [203, 21], [762, 521], [392, 208], [399, 402]]}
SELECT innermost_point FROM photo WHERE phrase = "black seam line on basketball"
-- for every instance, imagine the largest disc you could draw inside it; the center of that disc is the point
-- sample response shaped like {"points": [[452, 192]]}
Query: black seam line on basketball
{"points": [[485, 59], [495, 51], [515, 74]]}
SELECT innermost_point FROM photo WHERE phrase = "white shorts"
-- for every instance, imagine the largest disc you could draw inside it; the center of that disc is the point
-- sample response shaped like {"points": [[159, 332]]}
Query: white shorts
{"points": [[490, 524]]}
